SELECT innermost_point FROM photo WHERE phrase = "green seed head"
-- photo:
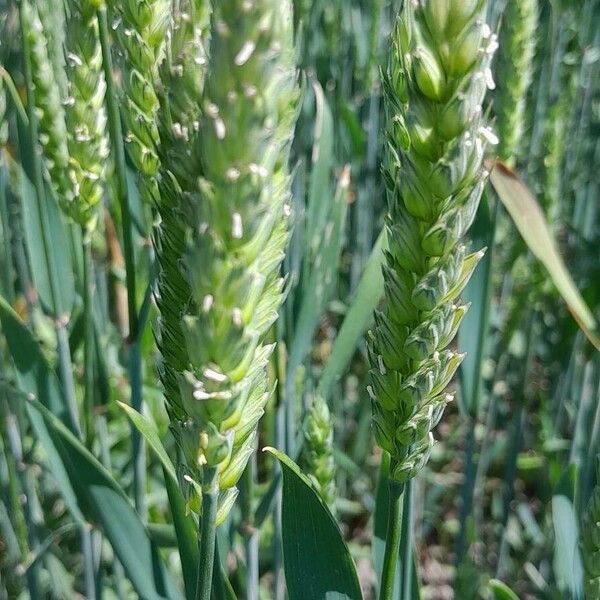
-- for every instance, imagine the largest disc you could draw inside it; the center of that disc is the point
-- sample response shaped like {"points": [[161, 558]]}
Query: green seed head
{"points": [[318, 435], [437, 78], [85, 113], [225, 226], [50, 111], [515, 69]]}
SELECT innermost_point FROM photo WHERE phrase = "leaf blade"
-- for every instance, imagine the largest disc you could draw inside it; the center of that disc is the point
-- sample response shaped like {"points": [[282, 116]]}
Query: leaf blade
{"points": [[317, 561]]}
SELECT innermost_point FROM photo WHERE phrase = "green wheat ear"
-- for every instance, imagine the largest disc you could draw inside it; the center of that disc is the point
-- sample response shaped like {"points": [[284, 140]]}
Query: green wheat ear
{"points": [[318, 452], [142, 30], [85, 112], [435, 85], [51, 114], [590, 532], [223, 244], [515, 72]]}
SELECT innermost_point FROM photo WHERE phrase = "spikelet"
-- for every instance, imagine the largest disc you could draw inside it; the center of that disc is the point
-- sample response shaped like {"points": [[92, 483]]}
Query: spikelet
{"points": [[436, 82], [231, 211], [590, 531], [85, 113], [318, 450], [50, 111], [514, 74], [142, 29]]}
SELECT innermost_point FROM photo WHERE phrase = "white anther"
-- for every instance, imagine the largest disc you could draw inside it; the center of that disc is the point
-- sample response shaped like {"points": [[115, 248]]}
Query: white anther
{"points": [[381, 364], [489, 135], [237, 227], [232, 174], [258, 170], [371, 393], [245, 53], [249, 91], [207, 302], [489, 79], [220, 128], [236, 316], [214, 375]]}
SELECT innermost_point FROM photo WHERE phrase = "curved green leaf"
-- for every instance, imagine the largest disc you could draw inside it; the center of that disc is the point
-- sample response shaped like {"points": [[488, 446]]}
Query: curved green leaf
{"points": [[317, 562]]}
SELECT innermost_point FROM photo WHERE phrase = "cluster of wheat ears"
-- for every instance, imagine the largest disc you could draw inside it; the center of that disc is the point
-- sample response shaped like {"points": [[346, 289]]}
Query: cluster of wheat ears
{"points": [[186, 112]]}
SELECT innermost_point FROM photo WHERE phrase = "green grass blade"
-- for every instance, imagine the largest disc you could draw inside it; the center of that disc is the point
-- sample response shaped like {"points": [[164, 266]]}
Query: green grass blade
{"points": [[109, 506], [317, 562], [57, 230]]}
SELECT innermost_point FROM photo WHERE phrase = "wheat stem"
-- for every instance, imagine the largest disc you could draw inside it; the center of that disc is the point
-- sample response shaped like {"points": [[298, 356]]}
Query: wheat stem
{"points": [[393, 536], [208, 530]]}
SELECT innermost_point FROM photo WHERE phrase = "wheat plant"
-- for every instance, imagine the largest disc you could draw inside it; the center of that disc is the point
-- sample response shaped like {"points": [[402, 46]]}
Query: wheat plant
{"points": [[435, 86], [229, 226]]}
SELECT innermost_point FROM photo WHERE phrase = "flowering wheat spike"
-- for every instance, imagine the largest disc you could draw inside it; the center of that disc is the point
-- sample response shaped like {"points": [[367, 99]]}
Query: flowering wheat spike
{"points": [[590, 530], [318, 436], [436, 82], [182, 75], [515, 71], [142, 30], [51, 113], [232, 213], [85, 113]]}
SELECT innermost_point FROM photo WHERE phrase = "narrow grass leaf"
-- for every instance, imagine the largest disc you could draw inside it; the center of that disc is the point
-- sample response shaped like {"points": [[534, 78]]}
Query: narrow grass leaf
{"points": [[57, 230], [358, 319], [151, 435], [531, 223], [317, 562], [472, 333]]}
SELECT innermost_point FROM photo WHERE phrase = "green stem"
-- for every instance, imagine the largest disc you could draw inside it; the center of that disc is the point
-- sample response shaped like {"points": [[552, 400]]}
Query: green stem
{"points": [[135, 359], [88, 342], [64, 354], [249, 530], [406, 542], [392, 543], [466, 503], [208, 525]]}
